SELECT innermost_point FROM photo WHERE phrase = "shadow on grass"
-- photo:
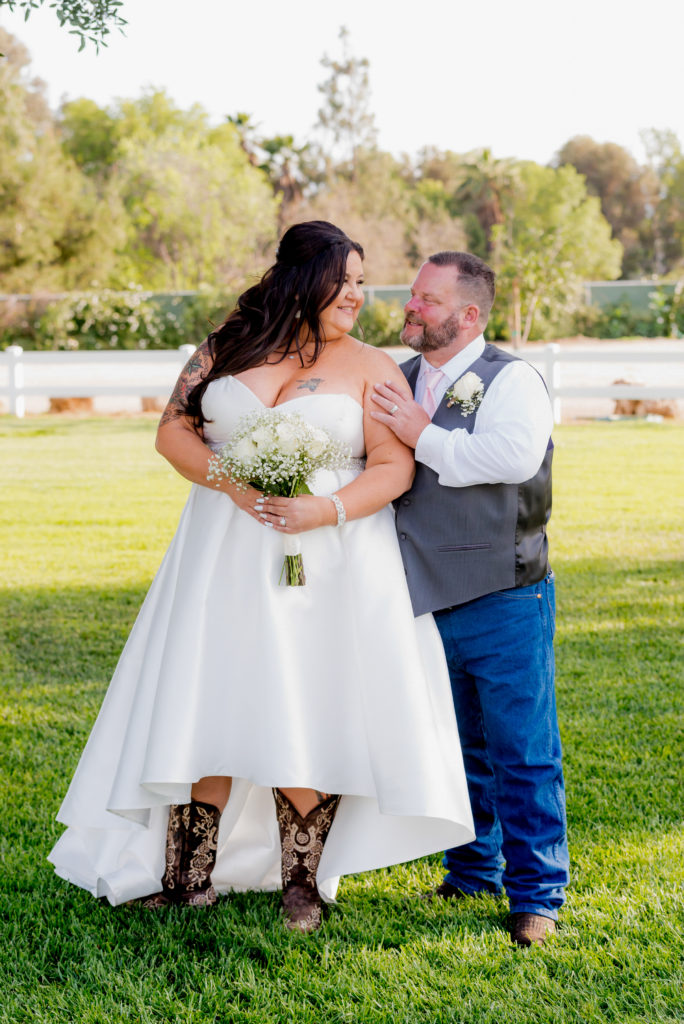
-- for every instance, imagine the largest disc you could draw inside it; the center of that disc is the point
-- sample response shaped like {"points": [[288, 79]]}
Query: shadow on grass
{"points": [[619, 676], [64, 635], [58, 924]]}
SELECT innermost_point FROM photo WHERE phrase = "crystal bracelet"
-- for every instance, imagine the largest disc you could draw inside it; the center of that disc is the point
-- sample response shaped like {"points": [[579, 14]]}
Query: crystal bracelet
{"points": [[341, 512]]}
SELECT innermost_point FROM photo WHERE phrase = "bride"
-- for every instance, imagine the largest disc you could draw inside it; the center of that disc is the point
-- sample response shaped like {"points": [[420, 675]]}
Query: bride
{"points": [[255, 734]]}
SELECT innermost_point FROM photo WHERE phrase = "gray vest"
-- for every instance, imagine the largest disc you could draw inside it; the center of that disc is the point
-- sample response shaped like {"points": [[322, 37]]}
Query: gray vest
{"points": [[459, 543]]}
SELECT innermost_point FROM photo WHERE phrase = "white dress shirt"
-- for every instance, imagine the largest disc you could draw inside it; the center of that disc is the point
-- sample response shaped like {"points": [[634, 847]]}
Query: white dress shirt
{"points": [[511, 432]]}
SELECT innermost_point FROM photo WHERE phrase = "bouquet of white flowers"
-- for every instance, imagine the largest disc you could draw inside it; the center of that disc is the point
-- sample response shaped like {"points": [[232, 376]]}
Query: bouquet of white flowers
{"points": [[277, 453]]}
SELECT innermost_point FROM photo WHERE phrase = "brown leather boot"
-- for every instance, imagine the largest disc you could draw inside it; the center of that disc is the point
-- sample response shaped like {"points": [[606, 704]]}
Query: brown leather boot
{"points": [[191, 841], [531, 929], [301, 842]]}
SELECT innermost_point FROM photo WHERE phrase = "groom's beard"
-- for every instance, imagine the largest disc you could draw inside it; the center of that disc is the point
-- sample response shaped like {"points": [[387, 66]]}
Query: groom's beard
{"points": [[432, 338]]}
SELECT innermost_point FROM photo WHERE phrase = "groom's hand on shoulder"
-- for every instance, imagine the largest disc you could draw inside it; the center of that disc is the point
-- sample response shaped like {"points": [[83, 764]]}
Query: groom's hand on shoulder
{"points": [[400, 413]]}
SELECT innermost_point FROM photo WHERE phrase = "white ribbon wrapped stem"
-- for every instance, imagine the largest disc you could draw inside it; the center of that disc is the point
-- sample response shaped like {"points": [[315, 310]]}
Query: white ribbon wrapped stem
{"points": [[292, 544]]}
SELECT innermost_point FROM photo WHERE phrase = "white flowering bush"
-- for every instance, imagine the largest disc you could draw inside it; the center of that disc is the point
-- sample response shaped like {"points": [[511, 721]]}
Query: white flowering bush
{"points": [[131, 319], [102, 319]]}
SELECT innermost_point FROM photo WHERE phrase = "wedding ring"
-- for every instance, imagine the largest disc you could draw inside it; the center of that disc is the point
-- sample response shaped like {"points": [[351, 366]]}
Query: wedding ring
{"points": [[283, 521], [393, 410]]}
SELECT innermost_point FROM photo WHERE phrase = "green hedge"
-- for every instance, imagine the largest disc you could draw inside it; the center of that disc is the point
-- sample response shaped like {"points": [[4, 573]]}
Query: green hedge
{"points": [[664, 318], [139, 320], [116, 320]]}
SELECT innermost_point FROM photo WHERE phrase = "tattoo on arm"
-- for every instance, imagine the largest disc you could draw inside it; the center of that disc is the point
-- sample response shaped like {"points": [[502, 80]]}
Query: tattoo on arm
{"points": [[309, 385], [193, 372]]}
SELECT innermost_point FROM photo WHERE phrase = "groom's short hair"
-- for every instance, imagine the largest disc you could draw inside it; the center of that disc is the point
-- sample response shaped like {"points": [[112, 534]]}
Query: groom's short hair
{"points": [[476, 278]]}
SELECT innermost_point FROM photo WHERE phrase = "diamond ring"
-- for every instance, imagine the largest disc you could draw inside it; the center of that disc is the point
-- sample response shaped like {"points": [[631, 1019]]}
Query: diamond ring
{"points": [[283, 521], [393, 410]]}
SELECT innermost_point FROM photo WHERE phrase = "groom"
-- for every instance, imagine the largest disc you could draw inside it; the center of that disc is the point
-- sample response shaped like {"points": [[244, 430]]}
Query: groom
{"points": [[472, 531]]}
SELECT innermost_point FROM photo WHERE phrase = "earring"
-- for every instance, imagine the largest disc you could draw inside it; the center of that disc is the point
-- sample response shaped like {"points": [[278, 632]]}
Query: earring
{"points": [[298, 314]]}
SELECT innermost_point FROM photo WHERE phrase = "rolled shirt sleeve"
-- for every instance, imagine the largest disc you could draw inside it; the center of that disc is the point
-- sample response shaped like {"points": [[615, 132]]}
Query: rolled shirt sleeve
{"points": [[509, 439]]}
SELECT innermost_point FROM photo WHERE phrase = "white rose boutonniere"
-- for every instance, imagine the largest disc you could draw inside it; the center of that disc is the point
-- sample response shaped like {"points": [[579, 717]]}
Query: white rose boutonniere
{"points": [[467, 391]]}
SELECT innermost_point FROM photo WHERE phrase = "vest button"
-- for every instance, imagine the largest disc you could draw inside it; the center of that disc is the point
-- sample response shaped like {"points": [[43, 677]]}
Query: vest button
{"points": [[402, 536], [406, 501]]}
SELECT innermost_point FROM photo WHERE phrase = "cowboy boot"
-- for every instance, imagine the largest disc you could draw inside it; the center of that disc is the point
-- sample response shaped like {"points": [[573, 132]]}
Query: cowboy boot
{"points": [[301, 842], [191, 841]]}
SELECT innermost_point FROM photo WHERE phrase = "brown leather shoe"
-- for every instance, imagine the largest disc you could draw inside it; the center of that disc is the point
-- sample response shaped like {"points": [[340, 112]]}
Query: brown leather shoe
{"points": [[446, 891], [531, 929]]}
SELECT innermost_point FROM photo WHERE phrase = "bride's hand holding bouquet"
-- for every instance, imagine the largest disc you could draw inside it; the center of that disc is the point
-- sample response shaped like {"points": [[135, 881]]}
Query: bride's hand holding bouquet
{"points": [[277, 453]]}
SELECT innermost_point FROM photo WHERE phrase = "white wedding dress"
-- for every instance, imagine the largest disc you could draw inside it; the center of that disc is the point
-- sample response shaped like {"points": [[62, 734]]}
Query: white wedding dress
{"points": [[333, 685]]}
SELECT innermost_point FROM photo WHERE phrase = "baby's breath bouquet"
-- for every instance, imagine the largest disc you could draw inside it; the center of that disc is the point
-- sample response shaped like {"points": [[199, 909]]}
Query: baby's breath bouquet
{"points": [[277, 453]]}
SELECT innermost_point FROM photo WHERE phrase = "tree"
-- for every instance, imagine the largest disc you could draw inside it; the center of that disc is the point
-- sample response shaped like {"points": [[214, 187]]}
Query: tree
{"points": [[554, 238], [485, 195], [51, 222], [290, 168], [434, 184], [90, 135], [345, 118], [142, 193], [473, 191], [443, 166], [628, 195], [197, 210], [377, 199], [90, 20], [667, 161]]}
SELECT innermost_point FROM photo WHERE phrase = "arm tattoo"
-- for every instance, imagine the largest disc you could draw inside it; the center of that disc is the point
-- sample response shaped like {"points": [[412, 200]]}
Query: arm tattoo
{"points": [[193, 372], [309, 385]]}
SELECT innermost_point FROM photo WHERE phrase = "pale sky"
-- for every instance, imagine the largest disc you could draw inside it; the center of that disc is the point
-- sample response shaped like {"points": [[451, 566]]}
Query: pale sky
{"points": [[518, 77]]}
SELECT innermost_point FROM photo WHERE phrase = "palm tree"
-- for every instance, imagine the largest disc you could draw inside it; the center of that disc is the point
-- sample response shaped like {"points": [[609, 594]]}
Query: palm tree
{"points": [[487, 192]]}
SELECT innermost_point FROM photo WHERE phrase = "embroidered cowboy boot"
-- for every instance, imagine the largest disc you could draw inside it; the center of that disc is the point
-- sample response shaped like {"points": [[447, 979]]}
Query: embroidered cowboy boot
{"points": [[191, 842], [301, 842]]}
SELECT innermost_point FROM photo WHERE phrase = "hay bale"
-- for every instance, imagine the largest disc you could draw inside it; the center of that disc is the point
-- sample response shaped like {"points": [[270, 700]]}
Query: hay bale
{"points": [[665, 407], [152, 404], [71, 405], [627, 406]]}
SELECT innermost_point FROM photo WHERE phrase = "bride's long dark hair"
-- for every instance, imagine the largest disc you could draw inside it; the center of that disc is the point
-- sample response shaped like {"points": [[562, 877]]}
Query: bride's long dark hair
{"points": [[285, 305]]}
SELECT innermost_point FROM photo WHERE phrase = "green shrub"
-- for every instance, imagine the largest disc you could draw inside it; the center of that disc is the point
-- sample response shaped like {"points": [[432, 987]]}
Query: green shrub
{"points": [[19, 322], [381, 323], [618, 320], [668, 310], [201, 313]]}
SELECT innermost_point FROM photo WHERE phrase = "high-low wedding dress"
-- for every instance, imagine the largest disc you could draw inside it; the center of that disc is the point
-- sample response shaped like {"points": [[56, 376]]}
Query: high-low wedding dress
{"points": [[333, 685]]}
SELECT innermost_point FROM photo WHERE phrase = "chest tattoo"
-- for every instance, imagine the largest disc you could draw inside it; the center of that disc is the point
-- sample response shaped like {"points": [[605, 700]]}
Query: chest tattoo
{"points": [[309, 385]]}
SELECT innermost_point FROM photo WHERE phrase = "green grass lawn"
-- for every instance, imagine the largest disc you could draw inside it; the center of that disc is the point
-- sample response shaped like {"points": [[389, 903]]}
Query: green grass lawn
{"points": [[87, 509]]}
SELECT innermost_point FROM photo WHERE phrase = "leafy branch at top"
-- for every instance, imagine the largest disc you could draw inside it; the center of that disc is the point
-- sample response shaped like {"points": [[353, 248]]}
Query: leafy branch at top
{"points": [[90, 20]]}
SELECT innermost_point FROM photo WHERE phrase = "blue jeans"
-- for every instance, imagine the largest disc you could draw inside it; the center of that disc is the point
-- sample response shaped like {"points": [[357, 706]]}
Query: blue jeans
{"points": [[499, 649]]}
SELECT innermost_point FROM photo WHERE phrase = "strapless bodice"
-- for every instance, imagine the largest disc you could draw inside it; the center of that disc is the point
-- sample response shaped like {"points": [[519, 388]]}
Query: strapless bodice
{"points": [[227, 400]]}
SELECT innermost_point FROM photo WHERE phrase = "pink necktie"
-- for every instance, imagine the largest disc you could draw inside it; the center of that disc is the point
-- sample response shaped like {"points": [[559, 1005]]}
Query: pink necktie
{"points": [[432, 379]]}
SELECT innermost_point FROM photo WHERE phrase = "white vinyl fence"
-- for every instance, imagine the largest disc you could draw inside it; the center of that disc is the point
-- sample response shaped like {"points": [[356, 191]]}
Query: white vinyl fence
{"points": [[118, 373], [153, 373], [553, 357]]}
